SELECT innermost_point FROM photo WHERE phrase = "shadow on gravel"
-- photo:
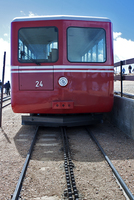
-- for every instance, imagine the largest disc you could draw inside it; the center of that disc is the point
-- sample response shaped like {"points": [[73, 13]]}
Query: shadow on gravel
{"points": [[5, 135], [49, 145], [23, 139]]}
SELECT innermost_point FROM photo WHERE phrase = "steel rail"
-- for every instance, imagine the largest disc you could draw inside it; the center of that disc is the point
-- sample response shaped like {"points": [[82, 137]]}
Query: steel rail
{"points": [[5, 99], [122, 183], [22, 175], [6, 105], [124, 94]]}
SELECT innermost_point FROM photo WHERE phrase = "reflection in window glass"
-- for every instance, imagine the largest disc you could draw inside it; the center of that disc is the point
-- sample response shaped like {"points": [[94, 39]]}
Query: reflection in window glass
{"points": [[86, 44], [100, 51], [39, 44], [94, 54]]}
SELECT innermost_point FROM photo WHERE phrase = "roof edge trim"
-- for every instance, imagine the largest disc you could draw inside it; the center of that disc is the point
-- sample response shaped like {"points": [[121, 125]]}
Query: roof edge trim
{"points": [[61, 17]]}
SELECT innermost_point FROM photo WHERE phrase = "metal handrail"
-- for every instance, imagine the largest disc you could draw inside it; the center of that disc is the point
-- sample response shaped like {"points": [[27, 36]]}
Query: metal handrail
{"points": [[122, 76]]}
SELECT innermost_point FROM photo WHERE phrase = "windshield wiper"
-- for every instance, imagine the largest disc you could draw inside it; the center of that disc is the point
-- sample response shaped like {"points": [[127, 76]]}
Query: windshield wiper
{"points": [[35, 61]]}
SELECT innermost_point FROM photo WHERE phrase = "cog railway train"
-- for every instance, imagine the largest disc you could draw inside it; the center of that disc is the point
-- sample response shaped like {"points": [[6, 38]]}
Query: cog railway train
{"points": [[61, 69]]}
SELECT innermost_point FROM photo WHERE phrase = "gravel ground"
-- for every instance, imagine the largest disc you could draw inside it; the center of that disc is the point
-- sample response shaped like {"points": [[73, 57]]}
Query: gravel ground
{"points": [[45, 177]]}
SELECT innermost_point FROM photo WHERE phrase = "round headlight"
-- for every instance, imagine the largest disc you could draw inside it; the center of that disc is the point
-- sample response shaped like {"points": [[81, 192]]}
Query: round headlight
{"points": [[63, 81]]}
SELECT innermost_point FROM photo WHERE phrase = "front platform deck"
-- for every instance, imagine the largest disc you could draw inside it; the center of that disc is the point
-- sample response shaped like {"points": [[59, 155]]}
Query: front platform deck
{"points": [[62, 120]]}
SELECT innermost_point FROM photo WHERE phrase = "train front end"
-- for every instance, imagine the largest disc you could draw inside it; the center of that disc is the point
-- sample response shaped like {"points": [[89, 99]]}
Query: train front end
{"points": [[61, 66]]}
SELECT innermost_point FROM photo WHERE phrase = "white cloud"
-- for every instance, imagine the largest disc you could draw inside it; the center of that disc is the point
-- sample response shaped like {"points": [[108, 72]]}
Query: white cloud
{"points": [[22, 12], [123, 48], [5, 34], [31, 14], [116, 35]]}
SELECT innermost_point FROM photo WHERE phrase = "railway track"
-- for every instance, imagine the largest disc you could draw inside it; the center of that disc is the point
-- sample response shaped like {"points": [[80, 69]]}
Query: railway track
{"points": [[71, 191]]}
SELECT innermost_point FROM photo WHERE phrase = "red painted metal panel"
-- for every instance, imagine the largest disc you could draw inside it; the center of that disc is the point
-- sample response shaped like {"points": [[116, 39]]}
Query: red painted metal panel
{"points": [[36, 81], [62, 26], [15, 26], [88, 91], [62, 105]]}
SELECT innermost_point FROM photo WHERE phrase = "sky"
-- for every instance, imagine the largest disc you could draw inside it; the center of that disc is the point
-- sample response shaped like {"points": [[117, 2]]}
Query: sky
{"points": [[120, 12]]}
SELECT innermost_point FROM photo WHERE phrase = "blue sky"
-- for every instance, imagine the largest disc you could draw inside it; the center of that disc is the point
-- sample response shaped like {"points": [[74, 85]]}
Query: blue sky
{"points": [[121, 13]]}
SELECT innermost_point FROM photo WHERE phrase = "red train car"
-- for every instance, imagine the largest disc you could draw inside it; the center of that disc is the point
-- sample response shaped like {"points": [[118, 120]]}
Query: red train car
{"points": [[61, 66]]}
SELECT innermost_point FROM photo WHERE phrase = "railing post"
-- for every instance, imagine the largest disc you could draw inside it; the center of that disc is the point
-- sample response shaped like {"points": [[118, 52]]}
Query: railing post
{"points": [[4, 60], [121, 78]]}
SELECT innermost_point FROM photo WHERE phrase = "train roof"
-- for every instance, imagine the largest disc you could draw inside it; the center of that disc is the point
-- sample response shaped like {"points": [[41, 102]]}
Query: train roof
{"points": [[61, 17]]}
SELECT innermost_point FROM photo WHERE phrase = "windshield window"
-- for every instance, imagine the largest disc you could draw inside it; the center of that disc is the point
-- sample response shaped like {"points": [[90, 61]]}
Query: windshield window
{"points": [[86, 44], [38, 44]]}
